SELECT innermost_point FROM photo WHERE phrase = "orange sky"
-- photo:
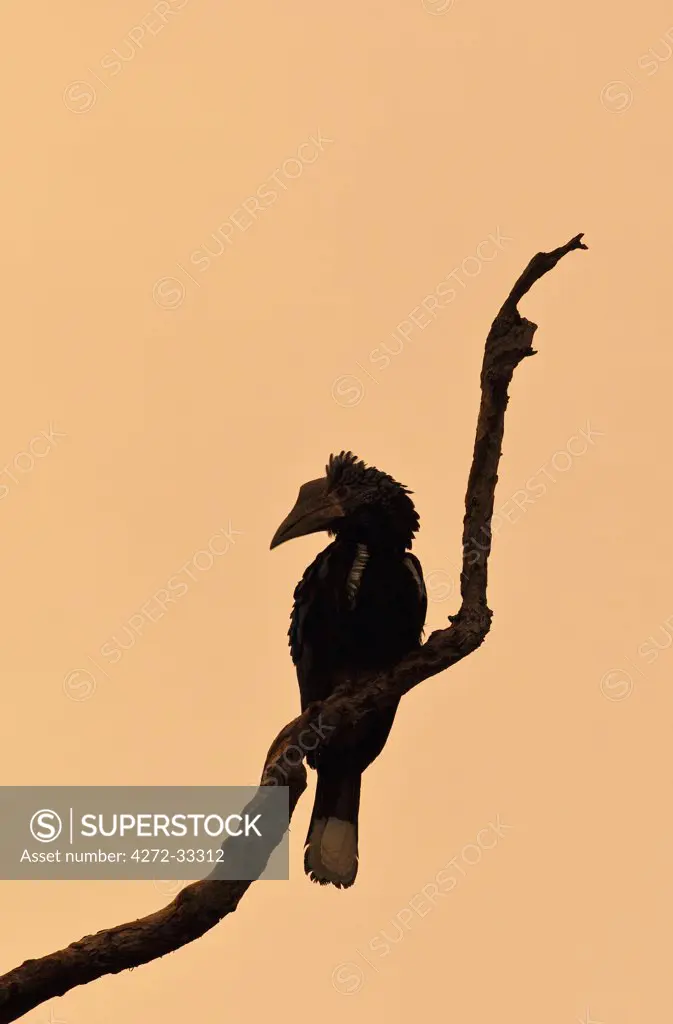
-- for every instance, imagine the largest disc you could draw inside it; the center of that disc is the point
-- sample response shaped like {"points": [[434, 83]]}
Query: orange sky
{"points": [[190, 393]]}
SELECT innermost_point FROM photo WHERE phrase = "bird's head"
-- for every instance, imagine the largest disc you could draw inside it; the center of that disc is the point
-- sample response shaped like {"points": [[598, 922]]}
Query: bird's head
{"points": [[352, 501]]}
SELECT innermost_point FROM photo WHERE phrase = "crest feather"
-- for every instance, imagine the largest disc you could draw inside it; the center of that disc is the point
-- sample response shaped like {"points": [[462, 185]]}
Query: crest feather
{"points": [[343, 466]]}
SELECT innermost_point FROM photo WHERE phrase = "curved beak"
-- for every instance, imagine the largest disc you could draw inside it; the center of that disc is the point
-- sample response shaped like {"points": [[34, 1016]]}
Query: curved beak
{"points": [[314, 510]]}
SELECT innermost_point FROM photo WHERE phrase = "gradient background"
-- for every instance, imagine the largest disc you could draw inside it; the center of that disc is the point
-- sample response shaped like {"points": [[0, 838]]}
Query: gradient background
{"points": [[193, 407]]}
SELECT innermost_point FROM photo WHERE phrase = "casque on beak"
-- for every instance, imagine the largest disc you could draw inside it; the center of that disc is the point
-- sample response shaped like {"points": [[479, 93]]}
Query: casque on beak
{"points": [[314, 510]]}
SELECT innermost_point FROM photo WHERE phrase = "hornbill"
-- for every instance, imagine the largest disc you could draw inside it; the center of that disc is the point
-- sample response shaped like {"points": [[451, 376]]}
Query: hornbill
{"points": [[359, 606]]}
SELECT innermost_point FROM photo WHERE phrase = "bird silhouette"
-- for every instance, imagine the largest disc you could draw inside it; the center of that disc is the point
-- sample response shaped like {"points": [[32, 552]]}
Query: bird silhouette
{"points": [[360, 606]]}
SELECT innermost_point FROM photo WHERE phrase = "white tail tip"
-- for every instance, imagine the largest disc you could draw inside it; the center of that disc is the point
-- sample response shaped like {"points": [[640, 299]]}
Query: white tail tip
{"points": [[332, 852]]}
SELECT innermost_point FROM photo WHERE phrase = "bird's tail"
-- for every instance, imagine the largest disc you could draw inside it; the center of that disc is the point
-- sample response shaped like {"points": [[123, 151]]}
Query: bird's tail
{"points": [[331, 854]]}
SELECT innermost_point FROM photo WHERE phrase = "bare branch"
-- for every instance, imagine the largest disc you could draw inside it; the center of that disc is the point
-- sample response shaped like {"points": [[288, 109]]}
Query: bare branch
{"points": [[201, 905]]}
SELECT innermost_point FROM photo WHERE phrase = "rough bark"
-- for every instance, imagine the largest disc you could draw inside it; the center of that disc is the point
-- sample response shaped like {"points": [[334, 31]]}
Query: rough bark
{"points": [[201, 905]]}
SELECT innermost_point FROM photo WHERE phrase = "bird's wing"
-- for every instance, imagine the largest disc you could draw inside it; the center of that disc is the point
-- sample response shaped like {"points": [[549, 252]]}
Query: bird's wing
{"points": [[416, 571], [304, 595], [320, 602]]}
